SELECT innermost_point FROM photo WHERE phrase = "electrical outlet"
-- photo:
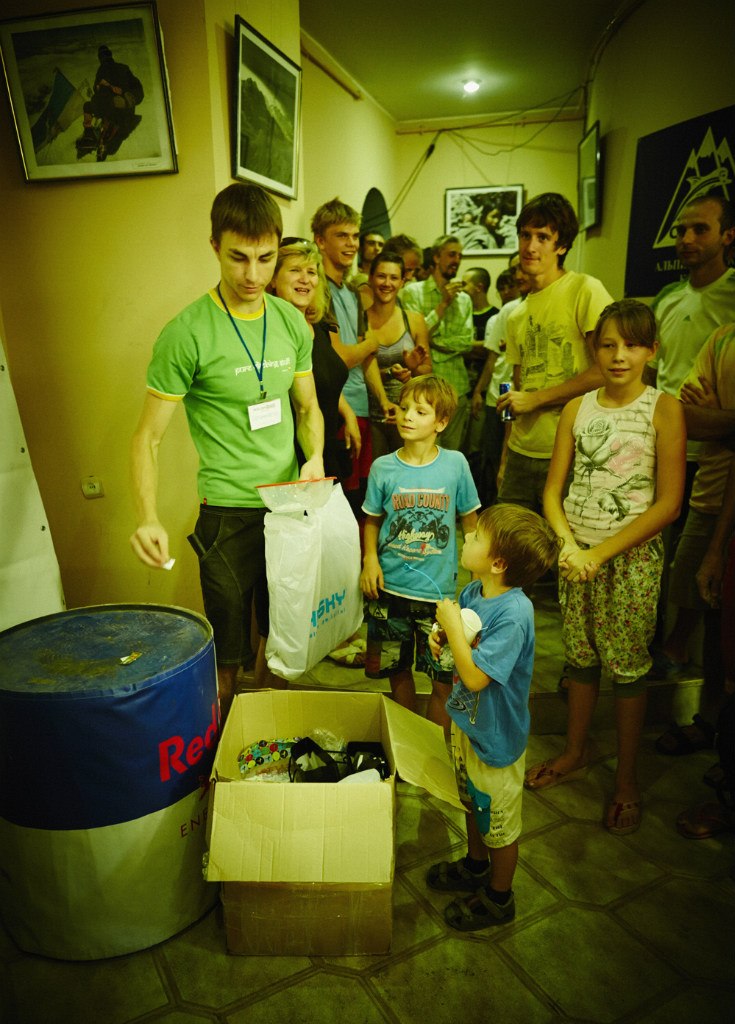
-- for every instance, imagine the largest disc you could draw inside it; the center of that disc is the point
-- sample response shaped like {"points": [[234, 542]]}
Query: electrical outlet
{"points": [[92, 487]]}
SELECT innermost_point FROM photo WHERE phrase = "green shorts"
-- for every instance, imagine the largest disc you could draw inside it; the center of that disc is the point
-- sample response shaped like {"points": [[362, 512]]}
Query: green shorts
{"points": [[524, 480], [690, 550]]}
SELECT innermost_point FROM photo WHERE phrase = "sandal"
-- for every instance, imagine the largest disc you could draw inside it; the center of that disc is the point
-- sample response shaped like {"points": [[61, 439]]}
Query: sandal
{"points": [[348, 656], [705, 821], [629, 811], [478, 911], [677, 740], [543, 776], [455, 877]]}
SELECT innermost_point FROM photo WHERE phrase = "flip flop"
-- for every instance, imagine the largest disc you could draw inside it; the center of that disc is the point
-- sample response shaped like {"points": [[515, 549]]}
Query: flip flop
{"points": [[630, 810], [478, 911], [705, 821], [543, 776]]}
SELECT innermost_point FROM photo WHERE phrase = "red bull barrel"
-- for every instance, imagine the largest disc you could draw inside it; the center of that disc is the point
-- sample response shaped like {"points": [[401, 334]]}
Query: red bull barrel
{"points": [[108, 728]]}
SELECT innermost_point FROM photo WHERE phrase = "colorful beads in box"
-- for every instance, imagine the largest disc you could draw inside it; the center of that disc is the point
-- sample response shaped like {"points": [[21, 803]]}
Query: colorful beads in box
{"points": [[266, 760]]}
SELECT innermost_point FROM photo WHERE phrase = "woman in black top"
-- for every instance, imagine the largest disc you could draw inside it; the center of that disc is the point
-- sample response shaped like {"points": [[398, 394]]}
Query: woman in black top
{"points": [[299, 279]]}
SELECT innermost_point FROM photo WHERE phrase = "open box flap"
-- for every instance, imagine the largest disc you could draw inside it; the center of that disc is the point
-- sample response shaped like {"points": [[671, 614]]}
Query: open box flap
{"points": [[420, 753]]}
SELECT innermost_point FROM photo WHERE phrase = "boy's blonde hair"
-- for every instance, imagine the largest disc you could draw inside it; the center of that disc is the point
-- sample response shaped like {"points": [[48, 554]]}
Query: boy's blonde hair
{"points": [[634, 320], [331, 213], [435, 391], [522, 539]]}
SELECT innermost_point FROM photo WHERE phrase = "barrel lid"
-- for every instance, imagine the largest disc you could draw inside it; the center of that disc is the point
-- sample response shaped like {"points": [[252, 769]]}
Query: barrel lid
{"points": [[100, 649]]}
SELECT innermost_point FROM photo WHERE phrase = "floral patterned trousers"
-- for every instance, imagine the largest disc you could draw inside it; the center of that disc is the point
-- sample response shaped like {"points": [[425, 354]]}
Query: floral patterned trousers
{"points": [[610, 621]]}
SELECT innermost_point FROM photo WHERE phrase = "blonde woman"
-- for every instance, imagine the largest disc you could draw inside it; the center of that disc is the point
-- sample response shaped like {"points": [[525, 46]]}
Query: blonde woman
{"points": [[299, 279]]}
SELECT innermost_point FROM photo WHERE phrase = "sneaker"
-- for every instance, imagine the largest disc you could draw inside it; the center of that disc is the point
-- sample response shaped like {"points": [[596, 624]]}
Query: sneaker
{"points": [[455, 877]]}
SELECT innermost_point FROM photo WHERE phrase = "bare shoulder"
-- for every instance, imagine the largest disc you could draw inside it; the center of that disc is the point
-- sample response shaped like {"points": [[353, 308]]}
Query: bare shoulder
{"points": [[414, 317], [571, 408], [668, 413], [668, 407]]}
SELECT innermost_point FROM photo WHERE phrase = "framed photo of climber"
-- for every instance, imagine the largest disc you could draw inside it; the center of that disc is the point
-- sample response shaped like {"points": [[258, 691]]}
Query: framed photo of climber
{"points": [[267, 106], [89, 93], [484, 218]]}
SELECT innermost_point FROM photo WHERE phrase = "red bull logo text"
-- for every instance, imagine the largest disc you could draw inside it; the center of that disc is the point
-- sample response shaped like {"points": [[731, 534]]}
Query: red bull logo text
{"points": [[175, 753]]}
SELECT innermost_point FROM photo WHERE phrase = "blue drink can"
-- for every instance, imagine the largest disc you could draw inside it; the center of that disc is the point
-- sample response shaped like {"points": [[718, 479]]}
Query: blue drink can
{"points": [[507, 414]]}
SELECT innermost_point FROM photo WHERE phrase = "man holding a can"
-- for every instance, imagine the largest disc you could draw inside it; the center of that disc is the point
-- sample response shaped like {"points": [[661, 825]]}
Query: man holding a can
{"points": [[548, 343]]}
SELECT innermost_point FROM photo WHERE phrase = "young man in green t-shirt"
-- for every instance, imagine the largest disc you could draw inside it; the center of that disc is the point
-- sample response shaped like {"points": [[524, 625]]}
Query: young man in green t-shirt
{"points": [[237, 361]]}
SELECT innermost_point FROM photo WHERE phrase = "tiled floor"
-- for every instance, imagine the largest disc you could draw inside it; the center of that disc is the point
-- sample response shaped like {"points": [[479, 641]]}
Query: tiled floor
{"points": [[635, 929]]}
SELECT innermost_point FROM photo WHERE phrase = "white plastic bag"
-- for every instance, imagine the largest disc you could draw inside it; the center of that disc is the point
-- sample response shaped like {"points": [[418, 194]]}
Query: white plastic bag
{"points": [[313, 567]]}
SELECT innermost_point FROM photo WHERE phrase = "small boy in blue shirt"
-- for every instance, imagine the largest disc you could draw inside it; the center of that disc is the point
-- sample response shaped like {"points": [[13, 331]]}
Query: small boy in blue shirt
{"points": [[511, 548], [413, 499]]}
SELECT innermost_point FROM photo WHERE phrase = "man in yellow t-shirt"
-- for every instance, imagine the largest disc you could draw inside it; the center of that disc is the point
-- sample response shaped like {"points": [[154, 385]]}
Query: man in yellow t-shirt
{"points": [[548, 342]]}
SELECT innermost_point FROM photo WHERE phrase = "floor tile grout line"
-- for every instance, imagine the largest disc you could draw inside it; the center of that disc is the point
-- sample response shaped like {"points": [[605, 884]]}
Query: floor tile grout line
{"points": [[246, 1002]]}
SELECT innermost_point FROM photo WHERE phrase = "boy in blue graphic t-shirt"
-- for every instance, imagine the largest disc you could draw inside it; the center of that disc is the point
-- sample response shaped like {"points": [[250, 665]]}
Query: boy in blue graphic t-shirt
{"points": [[414, 496]]}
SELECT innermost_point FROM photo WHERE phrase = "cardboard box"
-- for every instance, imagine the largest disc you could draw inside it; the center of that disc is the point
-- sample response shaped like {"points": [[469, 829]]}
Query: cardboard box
{"points": [[308, 868]]}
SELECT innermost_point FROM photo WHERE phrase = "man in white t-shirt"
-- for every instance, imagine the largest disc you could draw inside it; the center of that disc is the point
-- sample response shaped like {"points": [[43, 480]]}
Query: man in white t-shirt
{"points": [[689, 310], [495, 372]]}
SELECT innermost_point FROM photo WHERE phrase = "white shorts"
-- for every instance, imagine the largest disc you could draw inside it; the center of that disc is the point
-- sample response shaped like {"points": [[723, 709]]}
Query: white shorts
{"points": [[495, 794]]}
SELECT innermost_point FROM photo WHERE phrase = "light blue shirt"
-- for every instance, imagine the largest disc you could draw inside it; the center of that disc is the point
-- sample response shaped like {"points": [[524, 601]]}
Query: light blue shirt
{"points": [[345, 304], [496, 719], [417, 545]]}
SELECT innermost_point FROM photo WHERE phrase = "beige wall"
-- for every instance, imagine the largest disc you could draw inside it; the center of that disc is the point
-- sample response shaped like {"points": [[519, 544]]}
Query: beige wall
{"points": [[671, 61], [543, 164], [90, 271], [349, 146]]}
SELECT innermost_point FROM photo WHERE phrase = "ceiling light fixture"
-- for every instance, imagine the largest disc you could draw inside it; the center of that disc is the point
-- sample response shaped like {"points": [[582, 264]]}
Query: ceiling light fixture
{"points": [[471, 86]]}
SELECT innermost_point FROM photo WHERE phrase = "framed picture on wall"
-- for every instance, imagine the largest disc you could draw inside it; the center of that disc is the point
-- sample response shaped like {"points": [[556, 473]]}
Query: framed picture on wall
{"points": [[589, 200], [484, 219], [89, 93], [267, 108]]}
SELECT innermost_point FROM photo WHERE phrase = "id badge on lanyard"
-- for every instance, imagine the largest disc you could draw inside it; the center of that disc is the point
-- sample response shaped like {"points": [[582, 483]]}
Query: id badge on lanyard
{"points": [[265, 413]]}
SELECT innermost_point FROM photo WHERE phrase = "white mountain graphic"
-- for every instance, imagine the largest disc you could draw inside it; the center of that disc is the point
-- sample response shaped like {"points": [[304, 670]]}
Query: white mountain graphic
{"points": [[711, 168]]}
